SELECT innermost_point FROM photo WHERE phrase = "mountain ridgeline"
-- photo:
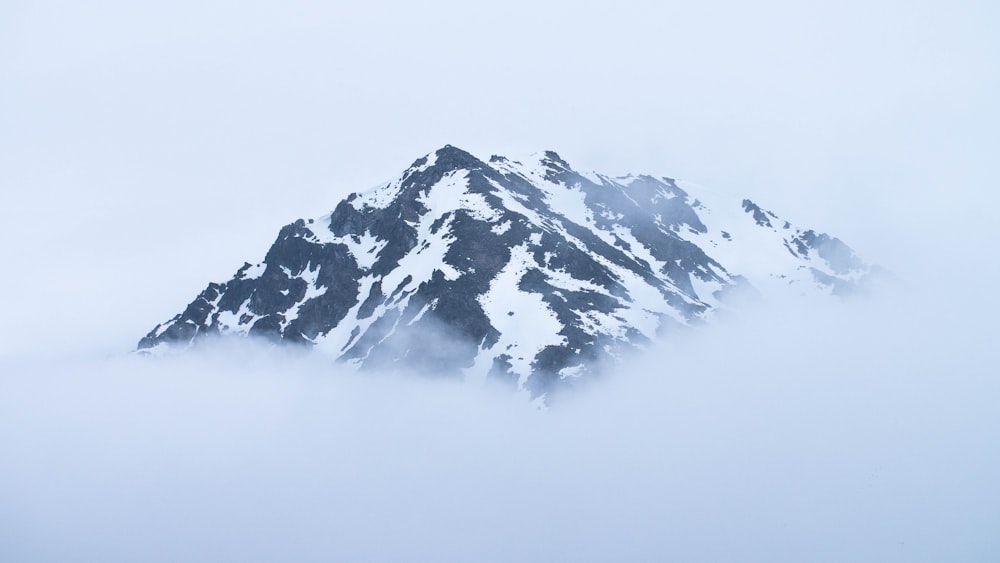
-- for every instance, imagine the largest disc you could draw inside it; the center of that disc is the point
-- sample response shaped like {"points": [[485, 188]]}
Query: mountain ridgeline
{"points": [[528, 273]]}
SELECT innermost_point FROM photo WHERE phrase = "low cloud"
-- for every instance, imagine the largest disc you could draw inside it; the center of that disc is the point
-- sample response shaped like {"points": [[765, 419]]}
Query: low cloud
{"points": [[858, 430]]}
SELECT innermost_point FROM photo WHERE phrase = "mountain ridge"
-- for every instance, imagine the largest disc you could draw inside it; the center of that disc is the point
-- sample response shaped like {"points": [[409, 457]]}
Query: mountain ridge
{"points": [[525, 272]]}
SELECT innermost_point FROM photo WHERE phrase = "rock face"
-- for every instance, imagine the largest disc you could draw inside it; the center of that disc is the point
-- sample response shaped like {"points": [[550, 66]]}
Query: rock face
{"points": [[524, 272]]}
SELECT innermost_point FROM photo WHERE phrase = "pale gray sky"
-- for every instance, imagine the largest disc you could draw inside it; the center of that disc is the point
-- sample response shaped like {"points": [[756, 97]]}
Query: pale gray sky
{"points": [[148, 148]]}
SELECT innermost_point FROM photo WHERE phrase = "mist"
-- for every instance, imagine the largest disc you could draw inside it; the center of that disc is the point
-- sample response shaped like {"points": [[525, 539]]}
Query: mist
{"points": [[146, 151], [858, 430]]}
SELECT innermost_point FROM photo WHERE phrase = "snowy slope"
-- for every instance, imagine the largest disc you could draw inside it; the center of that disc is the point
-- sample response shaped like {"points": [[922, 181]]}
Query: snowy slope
{"points": [[525, 272]]}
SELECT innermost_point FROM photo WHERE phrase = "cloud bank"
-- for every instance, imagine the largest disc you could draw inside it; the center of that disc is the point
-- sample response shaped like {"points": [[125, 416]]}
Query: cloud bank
{"points": [[857, 431]]}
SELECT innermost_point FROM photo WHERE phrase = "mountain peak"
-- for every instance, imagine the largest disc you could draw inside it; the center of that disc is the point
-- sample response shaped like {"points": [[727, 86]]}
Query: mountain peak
{"points": [[528, 275], [452, 157]]}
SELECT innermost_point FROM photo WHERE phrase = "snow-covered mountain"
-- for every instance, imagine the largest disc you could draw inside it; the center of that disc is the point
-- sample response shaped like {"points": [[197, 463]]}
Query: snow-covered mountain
{"points": [[526, 272]]}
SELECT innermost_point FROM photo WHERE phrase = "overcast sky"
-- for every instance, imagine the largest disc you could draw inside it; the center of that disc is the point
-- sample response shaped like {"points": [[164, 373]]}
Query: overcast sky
{"points": [[147, 148]]}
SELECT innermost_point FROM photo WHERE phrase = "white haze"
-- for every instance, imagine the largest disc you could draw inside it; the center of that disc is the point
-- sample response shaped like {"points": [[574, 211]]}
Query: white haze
{"points": [[145, 151], [861, 432]]}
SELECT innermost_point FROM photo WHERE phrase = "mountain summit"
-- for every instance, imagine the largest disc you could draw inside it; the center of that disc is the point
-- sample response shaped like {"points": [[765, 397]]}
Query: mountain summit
{"points": [[524, 272]]}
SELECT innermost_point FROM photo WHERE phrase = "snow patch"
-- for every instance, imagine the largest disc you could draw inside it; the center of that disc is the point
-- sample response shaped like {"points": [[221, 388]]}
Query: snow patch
{"points": [[525, 322]]}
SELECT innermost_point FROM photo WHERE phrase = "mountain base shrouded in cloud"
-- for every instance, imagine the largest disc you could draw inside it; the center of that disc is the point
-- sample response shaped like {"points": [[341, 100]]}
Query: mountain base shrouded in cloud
{"points": [[859, 430], [524, 272], [149, 148]]}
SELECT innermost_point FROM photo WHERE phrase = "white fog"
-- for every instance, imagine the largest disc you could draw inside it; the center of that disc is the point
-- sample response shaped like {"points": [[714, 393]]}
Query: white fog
{"points": [[865, 431]]}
